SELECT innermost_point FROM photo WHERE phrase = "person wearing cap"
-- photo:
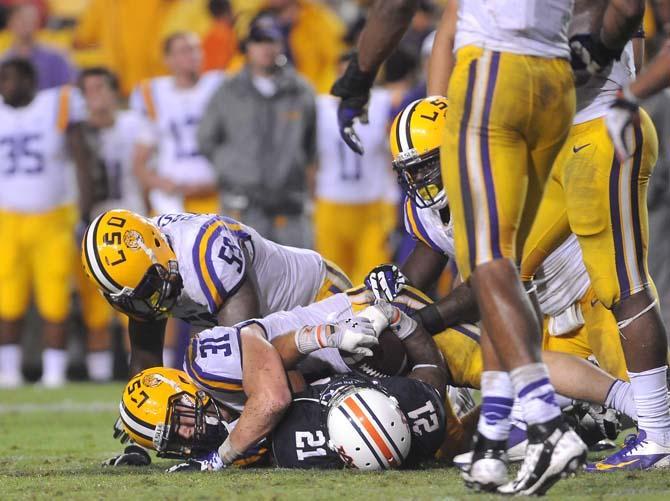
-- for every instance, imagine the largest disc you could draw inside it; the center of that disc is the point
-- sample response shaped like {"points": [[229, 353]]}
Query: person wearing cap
{"points": [[259, 132]]}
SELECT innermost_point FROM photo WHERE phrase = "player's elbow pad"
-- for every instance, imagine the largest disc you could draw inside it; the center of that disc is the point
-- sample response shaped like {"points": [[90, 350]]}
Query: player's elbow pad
{"points": [[430, 318]]}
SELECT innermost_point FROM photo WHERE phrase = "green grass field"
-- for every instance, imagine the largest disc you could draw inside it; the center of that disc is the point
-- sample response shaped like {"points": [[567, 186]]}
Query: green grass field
{"points": [[52, 444]]}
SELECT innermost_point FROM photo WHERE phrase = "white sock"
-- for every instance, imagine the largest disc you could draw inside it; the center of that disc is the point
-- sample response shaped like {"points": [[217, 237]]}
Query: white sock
{"points": [[54, 365], [168, 357], [497, 400], [516, 417], [650, 391], [535, 393], [100, 365], [620, 398], [11, 359]]}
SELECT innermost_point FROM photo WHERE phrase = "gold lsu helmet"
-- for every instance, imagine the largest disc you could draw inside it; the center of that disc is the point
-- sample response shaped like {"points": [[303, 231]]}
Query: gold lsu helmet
{"points": [[415, 138], [132, 264], [159, 404]]}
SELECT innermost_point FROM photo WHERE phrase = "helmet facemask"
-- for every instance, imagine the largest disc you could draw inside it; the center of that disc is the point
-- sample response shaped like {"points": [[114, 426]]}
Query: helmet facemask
{"points": [[154, 296], [420, 177], [202, 415]]}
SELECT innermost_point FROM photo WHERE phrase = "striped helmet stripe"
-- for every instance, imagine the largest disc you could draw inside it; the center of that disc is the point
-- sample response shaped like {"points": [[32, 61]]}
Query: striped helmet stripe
{"points": [[403, 131], [93, 258], [371, 430], [138, 426], [355, 424]]}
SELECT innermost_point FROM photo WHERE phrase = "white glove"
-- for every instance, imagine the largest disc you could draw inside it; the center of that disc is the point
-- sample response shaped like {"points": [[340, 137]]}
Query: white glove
{"points": [[354, 335], [401, 324], [621, 117], [209, 462]]}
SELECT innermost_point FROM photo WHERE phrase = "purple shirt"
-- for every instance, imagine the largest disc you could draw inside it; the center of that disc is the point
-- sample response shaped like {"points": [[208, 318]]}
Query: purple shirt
{"points": [[53, 69]]}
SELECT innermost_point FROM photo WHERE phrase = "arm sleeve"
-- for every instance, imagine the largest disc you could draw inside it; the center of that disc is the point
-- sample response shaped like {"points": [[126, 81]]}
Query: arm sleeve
{"points": [[211, 130]]}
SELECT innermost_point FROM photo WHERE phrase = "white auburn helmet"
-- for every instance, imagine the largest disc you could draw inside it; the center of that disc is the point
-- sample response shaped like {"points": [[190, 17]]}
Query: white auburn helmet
{"points": [[367, 429]]}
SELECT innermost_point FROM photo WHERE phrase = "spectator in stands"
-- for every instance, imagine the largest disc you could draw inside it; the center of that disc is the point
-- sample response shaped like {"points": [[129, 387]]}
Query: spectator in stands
{"points": [[313, 37], [53, 69], [259, 133], [129, 33], [219, 44]]}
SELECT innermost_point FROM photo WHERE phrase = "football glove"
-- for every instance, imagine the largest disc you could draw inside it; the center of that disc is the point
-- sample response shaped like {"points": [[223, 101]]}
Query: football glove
{"points": [[587, 52], [208, 462], [400, 324], [353, 87], [620, 120], [385, 281], [133, 455], [354, 335]]}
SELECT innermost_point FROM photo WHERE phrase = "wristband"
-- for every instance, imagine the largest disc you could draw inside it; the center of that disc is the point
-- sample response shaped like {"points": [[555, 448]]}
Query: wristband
{"points": [[430, 318], [310, 338], [227, 452]]}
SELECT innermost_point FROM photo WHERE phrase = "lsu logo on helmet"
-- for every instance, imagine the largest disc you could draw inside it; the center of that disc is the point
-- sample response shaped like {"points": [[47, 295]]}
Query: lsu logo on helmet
{"points": [[132, 263], [415, 138]]}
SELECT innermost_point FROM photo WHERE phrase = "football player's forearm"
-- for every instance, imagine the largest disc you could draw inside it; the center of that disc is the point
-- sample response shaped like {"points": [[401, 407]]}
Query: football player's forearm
{"points": [[387, 22], [423, 266], [442, 58], [260, 416], [427, 363], [460, 306], [655, 77], [621, 19], [146, 344], [287, 349]]}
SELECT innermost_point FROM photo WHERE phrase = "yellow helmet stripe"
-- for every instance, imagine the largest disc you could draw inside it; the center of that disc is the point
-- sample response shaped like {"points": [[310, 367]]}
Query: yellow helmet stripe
{"points": [[139, 427], [93, 258], [404, 129]]}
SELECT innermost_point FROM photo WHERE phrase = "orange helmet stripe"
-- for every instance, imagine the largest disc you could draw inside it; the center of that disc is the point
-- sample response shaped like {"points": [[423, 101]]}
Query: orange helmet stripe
{"points": [[355, 409]]}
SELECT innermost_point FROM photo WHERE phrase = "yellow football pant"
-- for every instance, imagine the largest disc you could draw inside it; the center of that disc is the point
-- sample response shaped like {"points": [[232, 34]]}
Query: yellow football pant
{"points": [[604, 203], [508, 117], [36, 257], [355, 236]]}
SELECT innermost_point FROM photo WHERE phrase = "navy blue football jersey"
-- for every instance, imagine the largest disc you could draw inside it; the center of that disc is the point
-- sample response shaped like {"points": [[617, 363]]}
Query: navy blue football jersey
{"points": [[301, 438]]}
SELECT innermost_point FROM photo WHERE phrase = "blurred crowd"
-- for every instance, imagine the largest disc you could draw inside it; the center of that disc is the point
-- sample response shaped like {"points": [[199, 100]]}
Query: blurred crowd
{"points": [[221, 106]]}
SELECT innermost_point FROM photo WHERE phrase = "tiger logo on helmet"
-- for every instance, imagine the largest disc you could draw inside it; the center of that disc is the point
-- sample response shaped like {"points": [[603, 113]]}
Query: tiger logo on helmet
{"points": [[162, 410], [132, 264], [415, 138]]}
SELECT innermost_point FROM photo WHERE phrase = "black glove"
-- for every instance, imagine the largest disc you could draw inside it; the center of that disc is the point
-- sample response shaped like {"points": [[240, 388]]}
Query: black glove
{"points": [[587, 52], [133, 455], [354, 89], [208, 462]]}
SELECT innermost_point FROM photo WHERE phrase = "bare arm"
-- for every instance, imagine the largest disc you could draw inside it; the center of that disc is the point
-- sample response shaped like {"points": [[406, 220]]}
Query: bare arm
{"points": [[426, 360], [442, 58], [83, 159], [148, 178], [266, 387], [387, 22], [146, 344], [655, 77], [242, 306], [621, 19], [423, 266]]}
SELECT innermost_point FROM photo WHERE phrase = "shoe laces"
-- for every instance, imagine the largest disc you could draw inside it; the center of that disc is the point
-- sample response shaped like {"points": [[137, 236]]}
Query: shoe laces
{"points": [[630, 444]]}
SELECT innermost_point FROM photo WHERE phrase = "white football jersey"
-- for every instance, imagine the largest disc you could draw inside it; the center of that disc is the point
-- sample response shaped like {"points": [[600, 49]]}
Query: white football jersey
{"points": [[214, 357], [529, 27], [561, 281], [173, 116], [115, 150], [344, 176], [36, 173], [215, 254]]}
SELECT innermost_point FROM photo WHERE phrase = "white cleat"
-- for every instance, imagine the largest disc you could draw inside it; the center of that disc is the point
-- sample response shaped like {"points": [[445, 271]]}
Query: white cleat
{"points": [[554, 451], [488, 469]]}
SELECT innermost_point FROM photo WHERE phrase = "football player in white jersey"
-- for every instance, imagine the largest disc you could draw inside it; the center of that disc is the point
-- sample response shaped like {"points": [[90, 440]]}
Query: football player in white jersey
{"points": [[40, 135], [112, 134], [183, 179], [204, 269], [352, 218]]}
